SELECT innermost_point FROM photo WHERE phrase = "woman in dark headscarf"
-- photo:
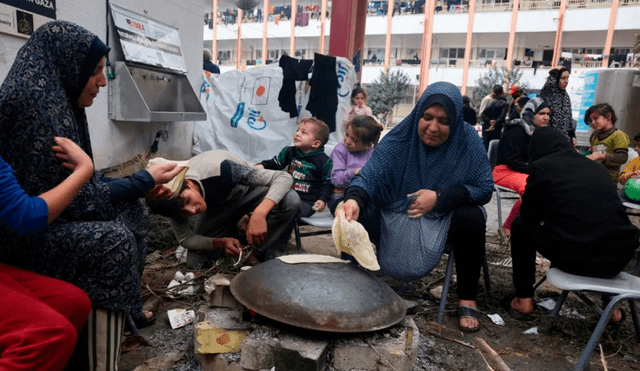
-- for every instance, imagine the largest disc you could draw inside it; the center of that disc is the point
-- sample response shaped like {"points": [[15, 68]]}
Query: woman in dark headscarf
{"points": [[99, 242], [422, 189], [513, 151], [572, 215], [554, 91]]}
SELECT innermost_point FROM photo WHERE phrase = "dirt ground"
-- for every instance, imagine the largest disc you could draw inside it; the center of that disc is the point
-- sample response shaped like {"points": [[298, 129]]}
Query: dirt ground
{"points": [[557, 345]]}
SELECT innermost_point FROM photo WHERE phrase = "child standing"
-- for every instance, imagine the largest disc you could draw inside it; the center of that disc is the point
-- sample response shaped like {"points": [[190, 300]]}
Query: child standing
{"points": [[360, 136], [609, 145], [307, 163], [358, 105]]}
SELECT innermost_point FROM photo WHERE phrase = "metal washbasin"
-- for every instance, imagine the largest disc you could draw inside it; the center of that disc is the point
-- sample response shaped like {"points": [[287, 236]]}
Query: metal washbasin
{"points": [[334, 297]]}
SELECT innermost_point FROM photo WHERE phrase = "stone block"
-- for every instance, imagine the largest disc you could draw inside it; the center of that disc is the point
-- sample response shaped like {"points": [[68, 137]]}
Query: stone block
{"points": [[258, 350], [219, 330], [395, 349], [296, 353], [220, 362], [220, 293]]}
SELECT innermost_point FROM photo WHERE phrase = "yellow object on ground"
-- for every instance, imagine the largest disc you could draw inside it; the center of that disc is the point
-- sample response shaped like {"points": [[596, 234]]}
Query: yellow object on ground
{"points": [[216, 340], [351, 238]]}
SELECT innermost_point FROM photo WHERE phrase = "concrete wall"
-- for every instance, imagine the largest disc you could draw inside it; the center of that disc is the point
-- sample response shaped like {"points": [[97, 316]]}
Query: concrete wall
{"points": [[116, 142]]}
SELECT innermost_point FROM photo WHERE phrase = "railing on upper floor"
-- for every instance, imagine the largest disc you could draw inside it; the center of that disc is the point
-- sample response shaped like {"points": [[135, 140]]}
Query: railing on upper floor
{"points": [[507, 7]]}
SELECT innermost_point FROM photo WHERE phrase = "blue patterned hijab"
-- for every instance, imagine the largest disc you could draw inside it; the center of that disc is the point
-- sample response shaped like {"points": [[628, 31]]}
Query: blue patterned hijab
{"points": [[38, 101], [403, 164]]}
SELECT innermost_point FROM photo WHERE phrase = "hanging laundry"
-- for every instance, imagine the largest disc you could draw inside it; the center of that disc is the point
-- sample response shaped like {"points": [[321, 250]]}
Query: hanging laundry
{"points": [[323, 99], [292, 70], [302, 19]]}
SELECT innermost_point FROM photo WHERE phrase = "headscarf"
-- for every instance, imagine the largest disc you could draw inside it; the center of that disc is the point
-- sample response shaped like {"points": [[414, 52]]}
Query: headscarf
{"points": [[561, 117], [548, 141], [38, 101], [530, 109], [403, 164]]}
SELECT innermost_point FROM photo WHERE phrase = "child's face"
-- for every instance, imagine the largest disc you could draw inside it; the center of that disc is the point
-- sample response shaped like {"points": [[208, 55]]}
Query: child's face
{"points": [[352, 142], [305, 138], [193, 202], [359, 100], [599, 122]]}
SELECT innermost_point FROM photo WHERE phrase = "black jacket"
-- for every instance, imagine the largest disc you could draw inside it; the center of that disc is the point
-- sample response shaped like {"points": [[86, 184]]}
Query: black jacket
{"points": [[513, 149], [575, 203], [495, 111]]}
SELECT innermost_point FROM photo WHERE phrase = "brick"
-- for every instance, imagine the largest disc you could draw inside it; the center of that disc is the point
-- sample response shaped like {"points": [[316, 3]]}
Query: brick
{"points": [[219, 362], [258, 351], [391, 352], [219, 330], [296, 353]]}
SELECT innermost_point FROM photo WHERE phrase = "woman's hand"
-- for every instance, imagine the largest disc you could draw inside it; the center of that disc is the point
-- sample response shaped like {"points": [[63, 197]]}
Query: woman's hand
{"points": [[231, 246], [73, 156], [425, 201], [351, 210], [164, 172]]}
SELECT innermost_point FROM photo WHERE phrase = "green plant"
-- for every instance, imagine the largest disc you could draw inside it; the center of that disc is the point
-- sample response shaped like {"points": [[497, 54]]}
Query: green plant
{"points": [[496, 76], [386, 91]]}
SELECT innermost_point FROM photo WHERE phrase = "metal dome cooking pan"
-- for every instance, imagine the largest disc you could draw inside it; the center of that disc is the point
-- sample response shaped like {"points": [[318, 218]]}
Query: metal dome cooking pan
{"points": [[335, 297]]}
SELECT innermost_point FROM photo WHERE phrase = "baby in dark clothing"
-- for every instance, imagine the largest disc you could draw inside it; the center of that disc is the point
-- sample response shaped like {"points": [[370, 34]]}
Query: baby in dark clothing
{"points": [[307, 163]]}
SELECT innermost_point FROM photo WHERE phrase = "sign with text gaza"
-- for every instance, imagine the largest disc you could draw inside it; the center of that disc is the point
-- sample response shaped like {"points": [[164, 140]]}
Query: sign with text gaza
{"points": [[22, 17], [146, 41]]}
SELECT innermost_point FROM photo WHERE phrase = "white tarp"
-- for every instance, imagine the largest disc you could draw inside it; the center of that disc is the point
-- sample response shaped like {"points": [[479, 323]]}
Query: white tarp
{"points": [[244, 117]]}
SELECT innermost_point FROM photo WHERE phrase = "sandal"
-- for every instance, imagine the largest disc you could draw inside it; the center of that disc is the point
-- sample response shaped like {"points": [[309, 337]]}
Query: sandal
{"points": [[514, 313], [141, 320], [469, 312]]}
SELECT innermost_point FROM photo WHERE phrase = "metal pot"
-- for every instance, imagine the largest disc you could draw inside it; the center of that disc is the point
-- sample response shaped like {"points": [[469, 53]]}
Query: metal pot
{"points": [[333, 297]]}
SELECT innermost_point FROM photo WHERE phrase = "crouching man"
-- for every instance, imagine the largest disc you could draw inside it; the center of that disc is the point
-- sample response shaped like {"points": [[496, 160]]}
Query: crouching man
{"points": [[217, 192]]}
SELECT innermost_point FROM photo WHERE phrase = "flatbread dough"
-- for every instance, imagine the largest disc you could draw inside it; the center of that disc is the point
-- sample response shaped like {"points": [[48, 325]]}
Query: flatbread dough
{"points": [[353, 239], [310, 258]]}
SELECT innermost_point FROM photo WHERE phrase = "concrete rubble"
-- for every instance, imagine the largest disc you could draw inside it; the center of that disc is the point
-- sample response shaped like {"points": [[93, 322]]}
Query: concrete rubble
{"points": [[264, 347]]}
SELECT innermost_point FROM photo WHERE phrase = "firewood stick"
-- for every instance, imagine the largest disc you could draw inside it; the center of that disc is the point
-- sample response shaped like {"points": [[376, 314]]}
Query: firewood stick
{"points": [[485, 360], [492, 355], [450, 339], [604, 362]]}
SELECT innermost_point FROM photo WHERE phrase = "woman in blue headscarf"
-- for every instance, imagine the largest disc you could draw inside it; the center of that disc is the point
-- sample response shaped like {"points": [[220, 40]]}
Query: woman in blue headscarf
{"points": [[421, 189], [99, 242]]}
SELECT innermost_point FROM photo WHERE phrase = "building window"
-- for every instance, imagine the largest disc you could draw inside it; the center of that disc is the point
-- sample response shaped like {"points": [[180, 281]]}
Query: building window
{"points": [[452, 53], [492, 53], [620, 51], [224, 55], [301, 53], [593, 51], [274, 54]]}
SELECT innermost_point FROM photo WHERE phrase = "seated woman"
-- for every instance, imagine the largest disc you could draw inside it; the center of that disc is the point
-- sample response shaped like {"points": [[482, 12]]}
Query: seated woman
{"points": [[99, 242], [572, 215], [423, 188], [513, 151]]}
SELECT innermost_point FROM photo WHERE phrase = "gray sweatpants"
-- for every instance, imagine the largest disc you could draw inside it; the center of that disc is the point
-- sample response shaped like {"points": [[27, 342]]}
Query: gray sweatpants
{"points": [[222, 221]]}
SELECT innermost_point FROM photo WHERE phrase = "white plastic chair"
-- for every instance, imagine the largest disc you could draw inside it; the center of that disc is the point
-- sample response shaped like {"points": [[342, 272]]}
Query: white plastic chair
{"points": [[623, 287], [501, 192]]}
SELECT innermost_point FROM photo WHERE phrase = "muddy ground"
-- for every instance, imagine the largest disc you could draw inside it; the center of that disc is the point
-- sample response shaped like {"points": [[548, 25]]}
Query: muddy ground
{"points": [[557, 346]]}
